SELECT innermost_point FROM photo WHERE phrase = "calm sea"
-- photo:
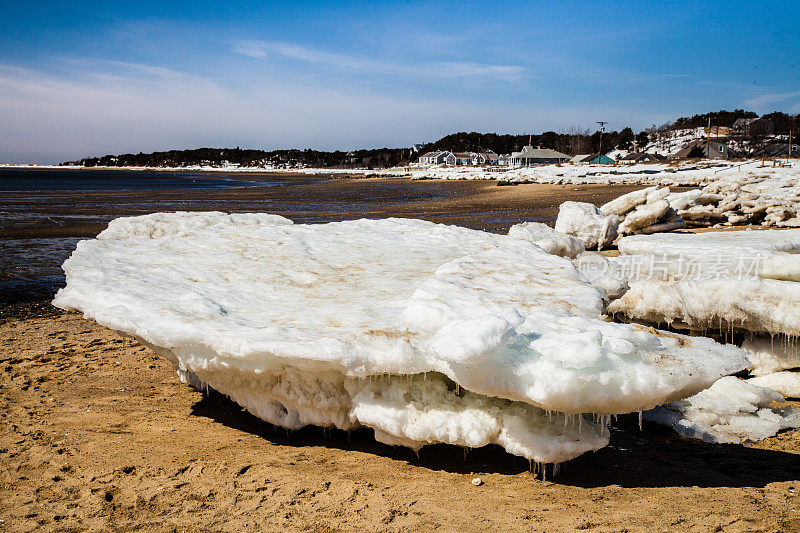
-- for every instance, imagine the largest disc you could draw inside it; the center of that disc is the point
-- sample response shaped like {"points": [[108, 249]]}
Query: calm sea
{"points": [[45, 212]]}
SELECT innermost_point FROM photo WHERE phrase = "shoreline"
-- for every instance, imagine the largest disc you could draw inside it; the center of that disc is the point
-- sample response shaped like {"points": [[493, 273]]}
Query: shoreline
{"points": [[300, 172], [475, 204]]}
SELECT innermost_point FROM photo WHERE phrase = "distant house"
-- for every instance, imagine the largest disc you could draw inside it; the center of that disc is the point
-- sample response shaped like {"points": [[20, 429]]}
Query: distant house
{"points": [[428, 158], [602, 159], [537, 156], [433, 158], [485, 158], [504, 160], [464, 158], [703, 148], [753, 126], [643, 157], [592, 158]]}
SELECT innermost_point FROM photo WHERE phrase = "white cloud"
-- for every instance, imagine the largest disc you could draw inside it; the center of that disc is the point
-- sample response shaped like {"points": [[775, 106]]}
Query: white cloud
{"points": [[92, 107], [440, 69], [762, 100]]}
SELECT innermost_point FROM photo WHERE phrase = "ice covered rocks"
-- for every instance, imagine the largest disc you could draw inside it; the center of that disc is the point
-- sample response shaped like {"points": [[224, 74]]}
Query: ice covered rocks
{"points": [[730, 411], [424, 332], [548, 239], [588, 224]]}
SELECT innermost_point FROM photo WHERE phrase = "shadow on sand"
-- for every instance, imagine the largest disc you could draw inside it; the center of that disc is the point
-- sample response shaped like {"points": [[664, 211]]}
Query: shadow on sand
{"points": [[652, 457]]}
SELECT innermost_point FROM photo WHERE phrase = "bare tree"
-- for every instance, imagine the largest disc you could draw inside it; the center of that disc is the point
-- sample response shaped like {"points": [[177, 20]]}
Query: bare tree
{"points": [[578, 139]]}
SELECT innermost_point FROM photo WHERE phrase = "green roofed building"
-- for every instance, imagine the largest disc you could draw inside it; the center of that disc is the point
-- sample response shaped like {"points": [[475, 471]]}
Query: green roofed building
{"points": [[592, 158], [537, 156]]}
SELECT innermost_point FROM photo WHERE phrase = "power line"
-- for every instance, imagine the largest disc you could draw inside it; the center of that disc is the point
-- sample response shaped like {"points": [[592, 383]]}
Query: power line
{"points": [[602, 129]]}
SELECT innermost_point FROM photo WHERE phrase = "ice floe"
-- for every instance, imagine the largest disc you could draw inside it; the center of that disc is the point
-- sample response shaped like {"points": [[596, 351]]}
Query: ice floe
{"points": [[587, 223], [730, 411], [548, 239], [784, 383], [424, 332], [732, 279]]}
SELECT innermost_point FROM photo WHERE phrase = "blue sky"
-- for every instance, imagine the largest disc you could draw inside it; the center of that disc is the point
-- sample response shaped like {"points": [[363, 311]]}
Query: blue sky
{"points": [[92, 78]]}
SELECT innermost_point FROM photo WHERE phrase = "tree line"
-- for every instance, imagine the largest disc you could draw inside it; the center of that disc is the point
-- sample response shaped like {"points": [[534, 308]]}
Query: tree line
{"points": [[375, 158], [572, 141]]}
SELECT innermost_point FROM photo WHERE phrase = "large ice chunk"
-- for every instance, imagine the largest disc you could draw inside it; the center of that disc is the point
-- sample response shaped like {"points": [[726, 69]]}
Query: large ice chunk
{"points": [[730, 411], [317, 324], [548, 239], [587, 223], [784, 383], [731, 279]]}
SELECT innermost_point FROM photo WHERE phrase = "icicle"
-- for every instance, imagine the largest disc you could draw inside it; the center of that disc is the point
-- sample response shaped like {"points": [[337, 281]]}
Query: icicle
{"points": [[640, 421]]}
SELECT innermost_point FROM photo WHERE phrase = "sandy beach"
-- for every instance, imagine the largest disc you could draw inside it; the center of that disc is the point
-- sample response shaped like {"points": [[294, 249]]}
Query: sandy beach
{"points": [[98, 433]]}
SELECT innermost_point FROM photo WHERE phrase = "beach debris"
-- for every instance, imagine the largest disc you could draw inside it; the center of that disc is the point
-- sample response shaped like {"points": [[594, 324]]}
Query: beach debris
{"points": [[732, 410], [548, 239], [424, 332], [477, 481]]}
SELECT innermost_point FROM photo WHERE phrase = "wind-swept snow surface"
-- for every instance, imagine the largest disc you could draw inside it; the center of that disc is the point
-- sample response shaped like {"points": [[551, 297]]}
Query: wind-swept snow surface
{"points": [[426, 333]]}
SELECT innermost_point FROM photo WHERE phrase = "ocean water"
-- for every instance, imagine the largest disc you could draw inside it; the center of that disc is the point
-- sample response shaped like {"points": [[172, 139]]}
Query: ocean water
{"points": [[51, 210], [45, 212], [81, 180]]}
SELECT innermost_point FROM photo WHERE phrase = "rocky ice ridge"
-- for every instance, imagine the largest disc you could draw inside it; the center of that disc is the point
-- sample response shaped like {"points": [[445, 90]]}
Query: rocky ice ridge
{"points": [[424, 332], [654, 210]]}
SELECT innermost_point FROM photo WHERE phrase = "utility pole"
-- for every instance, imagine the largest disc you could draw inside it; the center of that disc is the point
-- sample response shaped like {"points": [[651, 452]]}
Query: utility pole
{"points": [[602, 128], [708, 139]]}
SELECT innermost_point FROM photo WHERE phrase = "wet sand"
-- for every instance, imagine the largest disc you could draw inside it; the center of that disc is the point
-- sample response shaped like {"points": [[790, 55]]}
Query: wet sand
{"points": [[99, 435], [475, 204]]}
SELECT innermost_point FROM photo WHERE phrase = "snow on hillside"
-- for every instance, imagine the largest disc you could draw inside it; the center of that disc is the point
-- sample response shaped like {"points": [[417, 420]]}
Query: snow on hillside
{"points": [[672, 142]]}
